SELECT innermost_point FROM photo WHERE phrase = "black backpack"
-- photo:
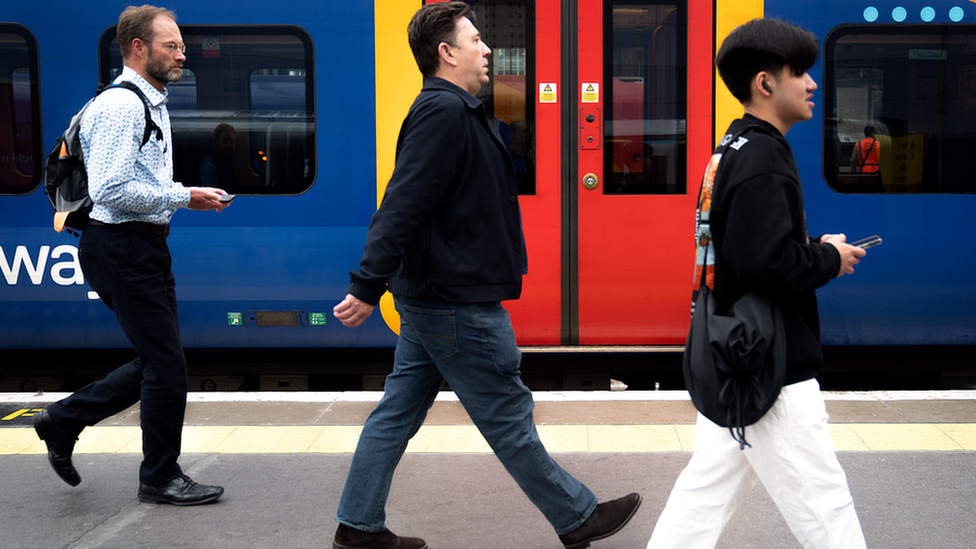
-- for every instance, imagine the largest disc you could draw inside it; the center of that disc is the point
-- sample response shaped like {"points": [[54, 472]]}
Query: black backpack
{"points": [[65, 178]]}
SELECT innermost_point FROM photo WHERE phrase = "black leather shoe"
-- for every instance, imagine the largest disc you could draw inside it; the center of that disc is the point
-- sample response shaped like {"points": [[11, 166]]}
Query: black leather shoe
{"points": [[607, 519], [60, 444], [182, 490], [347, 538]]}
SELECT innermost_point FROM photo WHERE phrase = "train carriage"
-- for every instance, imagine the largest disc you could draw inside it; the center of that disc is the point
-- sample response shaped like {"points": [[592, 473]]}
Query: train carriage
{"points": [[610, 110]]}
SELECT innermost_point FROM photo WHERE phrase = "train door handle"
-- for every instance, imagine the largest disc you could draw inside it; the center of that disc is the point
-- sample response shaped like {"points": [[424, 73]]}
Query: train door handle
{"points": [[590, 181]]}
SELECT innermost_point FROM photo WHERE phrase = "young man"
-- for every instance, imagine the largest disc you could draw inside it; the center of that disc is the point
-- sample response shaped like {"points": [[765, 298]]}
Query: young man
{"points": [[125, 259], [447, 243], [758, 239]]}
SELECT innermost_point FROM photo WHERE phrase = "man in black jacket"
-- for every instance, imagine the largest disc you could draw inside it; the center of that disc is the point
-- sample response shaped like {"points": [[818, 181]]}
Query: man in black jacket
{"points": [[447, 243], [751, 221]]}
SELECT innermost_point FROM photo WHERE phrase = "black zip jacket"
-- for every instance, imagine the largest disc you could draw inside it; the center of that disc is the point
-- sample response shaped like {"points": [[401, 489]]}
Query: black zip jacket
{"points": [[449, 224], [761, 242]]}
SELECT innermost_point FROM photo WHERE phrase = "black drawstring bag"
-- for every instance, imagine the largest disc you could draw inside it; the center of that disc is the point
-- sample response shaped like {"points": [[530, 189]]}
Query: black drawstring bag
{"points": [[735, 364]]}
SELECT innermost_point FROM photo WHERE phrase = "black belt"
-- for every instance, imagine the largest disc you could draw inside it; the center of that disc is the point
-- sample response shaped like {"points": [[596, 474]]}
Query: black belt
{"points": [[141, 226]]}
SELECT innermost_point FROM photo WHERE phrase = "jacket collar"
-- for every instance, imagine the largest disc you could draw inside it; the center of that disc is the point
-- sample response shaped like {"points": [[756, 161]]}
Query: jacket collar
{"points": [[433, 83]]}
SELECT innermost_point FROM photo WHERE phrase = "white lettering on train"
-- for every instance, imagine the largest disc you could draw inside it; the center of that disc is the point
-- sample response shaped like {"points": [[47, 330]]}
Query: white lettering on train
{"points": [[22, 261]]}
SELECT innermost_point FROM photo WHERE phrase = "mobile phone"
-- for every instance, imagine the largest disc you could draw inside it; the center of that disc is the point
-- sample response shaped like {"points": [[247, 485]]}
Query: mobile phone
{"points": [[227, 197], [867, 242]]}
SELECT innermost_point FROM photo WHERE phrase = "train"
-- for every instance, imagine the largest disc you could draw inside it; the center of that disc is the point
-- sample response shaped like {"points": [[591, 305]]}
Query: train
{"points": [[610, 109]]}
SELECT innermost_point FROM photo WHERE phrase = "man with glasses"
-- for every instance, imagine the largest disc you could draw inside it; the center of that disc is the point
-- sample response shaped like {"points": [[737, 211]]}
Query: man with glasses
{"points": [[125, 259]]}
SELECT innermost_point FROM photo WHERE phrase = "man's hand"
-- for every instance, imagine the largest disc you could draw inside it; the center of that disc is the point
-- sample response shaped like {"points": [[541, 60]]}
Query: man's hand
{"points": [[206, 198], [352, 312], [849, 255]]}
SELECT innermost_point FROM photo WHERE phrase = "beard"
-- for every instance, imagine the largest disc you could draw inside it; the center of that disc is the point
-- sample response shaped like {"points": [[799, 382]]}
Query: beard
{"points": [[157, 69]]}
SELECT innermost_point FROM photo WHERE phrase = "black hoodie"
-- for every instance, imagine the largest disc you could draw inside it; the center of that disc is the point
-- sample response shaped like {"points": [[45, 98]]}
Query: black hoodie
{"points": [[761, 242]]}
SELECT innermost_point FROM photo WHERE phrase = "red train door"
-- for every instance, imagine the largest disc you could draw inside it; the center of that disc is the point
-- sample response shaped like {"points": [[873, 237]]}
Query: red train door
{"points": [[644, 79]]}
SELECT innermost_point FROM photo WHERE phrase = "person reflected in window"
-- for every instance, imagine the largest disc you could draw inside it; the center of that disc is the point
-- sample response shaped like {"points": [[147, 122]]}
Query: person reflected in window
{"points": [[866, 154], [520, 148], [217, 170], [640, 182]]}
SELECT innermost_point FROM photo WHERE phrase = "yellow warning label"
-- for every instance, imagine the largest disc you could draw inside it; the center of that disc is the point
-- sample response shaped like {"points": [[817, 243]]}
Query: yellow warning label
{"points": [[547, 93], [591, 92]]}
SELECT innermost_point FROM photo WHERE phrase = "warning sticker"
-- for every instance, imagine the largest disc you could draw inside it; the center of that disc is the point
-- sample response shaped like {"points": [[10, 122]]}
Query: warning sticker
{"points": [[591, 92], [211, 46], [547, 93]]}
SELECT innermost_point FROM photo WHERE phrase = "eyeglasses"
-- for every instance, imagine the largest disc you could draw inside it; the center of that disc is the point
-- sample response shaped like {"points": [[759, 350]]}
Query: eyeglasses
{"points": [[171, 47]]}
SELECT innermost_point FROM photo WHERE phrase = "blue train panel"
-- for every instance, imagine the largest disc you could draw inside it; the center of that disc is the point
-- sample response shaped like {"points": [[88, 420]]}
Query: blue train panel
{"points": [[304, 112], [904, 69]]}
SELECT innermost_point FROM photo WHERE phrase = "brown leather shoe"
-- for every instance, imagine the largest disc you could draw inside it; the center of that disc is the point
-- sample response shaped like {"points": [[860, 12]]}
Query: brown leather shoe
{"points": [[607, 519], [347, 538]]}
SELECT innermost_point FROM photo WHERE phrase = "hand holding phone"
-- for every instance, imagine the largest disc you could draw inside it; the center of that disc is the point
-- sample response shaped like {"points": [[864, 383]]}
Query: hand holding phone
{"points": [[867, 242], [227, 197]]}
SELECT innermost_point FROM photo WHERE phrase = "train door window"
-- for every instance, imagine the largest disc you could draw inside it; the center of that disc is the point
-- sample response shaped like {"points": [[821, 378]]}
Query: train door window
{"points": [[900, 108], [645, 75], [243, 114], [507, 27], [21, 154]]}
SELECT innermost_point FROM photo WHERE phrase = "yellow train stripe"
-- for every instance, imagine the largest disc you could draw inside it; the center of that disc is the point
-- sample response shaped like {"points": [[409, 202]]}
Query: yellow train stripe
{"points": [[398, 81], [729, 15]]}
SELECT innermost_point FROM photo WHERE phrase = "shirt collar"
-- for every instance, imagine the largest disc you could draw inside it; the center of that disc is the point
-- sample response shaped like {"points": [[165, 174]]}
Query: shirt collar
{"points": [[155, 97], [434, 83]]}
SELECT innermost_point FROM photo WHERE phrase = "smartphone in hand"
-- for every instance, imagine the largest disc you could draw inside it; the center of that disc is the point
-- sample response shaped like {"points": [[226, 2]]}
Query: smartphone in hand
{"points": [[867, 242]]}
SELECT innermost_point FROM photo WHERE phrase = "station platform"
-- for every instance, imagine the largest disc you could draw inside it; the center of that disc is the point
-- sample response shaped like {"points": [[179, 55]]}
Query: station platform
{"points": [[910, 458]]}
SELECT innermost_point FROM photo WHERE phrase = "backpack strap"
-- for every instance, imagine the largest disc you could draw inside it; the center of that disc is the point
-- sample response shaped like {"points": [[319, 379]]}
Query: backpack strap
{"points": [[720, 150], [151, 126]]}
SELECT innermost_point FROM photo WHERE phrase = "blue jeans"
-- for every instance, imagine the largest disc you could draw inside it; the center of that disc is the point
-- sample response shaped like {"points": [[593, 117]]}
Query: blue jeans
{"points": [[472, 347]]}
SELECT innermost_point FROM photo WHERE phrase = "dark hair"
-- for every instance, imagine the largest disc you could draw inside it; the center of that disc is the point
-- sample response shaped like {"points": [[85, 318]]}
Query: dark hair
{"points": [[221, 129], [432, 25], [137, 22], [764, 45], [868, 131]]}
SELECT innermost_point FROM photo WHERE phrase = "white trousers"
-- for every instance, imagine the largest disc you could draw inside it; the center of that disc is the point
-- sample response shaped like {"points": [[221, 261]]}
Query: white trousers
{"points": [[794, 458]]}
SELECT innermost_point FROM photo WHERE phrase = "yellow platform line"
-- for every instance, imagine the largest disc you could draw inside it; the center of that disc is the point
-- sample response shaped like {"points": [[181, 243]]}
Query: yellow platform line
{"points": [[847, 437]]}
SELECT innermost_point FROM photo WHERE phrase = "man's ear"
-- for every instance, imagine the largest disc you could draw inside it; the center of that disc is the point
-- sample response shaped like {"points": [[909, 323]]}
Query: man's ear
{"points": [[445, 53], [139, 47]]}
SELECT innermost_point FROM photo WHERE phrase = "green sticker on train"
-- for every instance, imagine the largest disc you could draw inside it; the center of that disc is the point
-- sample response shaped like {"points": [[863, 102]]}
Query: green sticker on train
{"points": [[316, 319]]}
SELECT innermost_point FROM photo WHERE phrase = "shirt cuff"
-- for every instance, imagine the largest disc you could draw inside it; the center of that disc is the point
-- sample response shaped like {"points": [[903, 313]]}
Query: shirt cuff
{"points": [[180, 197]]}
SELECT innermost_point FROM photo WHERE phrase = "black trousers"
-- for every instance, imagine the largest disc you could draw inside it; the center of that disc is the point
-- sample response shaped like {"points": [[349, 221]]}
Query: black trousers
{"points": [[131, 271]]}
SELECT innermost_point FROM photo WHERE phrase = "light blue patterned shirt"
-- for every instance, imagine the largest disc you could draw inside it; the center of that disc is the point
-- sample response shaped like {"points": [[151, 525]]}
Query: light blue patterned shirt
{"points": [[127, 183]]}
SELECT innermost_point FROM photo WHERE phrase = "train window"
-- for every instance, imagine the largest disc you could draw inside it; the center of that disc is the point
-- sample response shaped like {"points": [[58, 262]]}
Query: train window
{"points": [[645, 112], [243, 114], [899, 108], [21, 154], [508, 29]]}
